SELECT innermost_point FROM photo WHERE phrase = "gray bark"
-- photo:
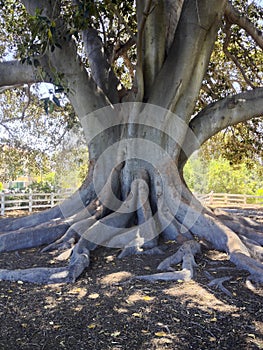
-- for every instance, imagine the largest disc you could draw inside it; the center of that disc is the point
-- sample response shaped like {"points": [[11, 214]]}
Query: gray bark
{"points": [[178, 84], [226, 112], [14, 73], [134, 195], [101, 70]]}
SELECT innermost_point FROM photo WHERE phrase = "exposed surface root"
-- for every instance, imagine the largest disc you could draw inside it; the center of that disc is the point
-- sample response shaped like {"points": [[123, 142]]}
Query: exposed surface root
{"points": [[255, 249], [70, 207], [249, 264], [49, 275], [183, 275], [239, 220], [147, 216], [218, 283], [33, 236], [184, 254], [250, 232]]}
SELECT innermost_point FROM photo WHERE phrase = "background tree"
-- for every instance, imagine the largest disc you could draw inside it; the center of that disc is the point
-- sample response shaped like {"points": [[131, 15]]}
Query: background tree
{"points": [[136, 74], [219, 176]]}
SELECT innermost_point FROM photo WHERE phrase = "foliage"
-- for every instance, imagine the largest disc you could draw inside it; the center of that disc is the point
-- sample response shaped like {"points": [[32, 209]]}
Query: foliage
{"points": [[218, 175], [42, 186], [239, 144], [32, 35], [70, 166], [15, 162], [235, 66]]}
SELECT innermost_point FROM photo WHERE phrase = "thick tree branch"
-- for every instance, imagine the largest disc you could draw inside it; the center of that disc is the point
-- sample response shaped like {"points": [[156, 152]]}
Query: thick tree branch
{"points": [[151, 41], [173, 11], [178, 83], [49, 8], [234, 17], [14, 73], [226, 112], [101, 70], [143, 11], [84, 93], [123, 48]]}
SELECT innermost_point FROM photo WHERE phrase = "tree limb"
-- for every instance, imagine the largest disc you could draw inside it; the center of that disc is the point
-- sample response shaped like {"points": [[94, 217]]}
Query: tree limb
{"points": [[84, 93], [151, 41], [173, 11], [14, 73], [178, 84], [123, 48], [226, 112], [143, 12], [50, 8], [101, 70], [234, 17]]}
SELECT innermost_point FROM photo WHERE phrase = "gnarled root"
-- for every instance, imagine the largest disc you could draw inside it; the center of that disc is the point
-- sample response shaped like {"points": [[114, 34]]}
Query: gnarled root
{"points": [[184, 254], [218, 283], [147, 216]]}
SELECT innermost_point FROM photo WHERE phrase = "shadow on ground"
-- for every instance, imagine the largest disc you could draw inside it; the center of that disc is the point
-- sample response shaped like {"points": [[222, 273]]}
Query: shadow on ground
{"points": [[103, 311]]}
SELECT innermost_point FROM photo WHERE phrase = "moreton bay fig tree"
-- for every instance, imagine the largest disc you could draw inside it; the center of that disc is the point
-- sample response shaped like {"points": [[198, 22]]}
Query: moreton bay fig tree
{"points": [[150, 81]]}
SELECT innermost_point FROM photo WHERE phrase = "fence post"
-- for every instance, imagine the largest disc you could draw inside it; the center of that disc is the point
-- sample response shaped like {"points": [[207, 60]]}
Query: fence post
{"points": [[52, 199], [211, 198], [2, 204], [30, 202]]}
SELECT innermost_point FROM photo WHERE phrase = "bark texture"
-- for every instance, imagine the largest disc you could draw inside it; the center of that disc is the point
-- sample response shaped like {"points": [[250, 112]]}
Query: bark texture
{"points": [[134, 199]]}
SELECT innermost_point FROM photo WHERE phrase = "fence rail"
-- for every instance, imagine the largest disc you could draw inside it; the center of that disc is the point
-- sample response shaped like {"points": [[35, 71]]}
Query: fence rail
{"points": [[30, 201], [231, 200]]}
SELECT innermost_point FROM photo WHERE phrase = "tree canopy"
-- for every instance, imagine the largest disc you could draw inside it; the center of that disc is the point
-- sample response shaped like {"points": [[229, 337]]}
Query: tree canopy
{"points": [[235, 65]]}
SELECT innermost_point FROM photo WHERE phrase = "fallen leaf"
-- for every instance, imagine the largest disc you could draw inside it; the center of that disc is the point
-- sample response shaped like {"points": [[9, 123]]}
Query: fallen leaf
{"points": [[160, 334], [115, 334], [57, 326], [109, 258], [92, 326], [136, 314], [75, 291], [93, 296], [148, 298]]}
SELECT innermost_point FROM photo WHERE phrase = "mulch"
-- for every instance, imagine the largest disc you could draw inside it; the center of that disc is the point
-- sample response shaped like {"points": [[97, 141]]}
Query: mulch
{"points": [[105, 310]]}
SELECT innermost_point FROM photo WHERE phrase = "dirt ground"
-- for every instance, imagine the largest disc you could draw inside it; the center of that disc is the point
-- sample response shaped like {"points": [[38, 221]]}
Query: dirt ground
{"points": [[103, 311]]}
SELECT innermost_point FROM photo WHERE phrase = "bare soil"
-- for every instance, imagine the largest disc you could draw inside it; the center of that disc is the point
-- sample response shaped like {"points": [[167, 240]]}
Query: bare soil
{"points": [[105, 310]]}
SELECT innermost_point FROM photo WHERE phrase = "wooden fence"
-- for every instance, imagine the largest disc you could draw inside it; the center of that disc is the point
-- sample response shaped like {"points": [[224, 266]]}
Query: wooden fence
{"points": [[231, 200], [30, 201]]}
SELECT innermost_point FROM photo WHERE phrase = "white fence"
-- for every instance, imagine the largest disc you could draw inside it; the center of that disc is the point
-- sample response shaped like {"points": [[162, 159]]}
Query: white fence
{"points": [[231, 200], [30, 201]]}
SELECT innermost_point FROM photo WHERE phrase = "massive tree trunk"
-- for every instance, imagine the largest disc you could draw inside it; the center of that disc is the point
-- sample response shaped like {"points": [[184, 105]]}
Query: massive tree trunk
{"points": [[134, 198]]}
